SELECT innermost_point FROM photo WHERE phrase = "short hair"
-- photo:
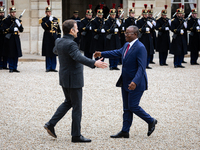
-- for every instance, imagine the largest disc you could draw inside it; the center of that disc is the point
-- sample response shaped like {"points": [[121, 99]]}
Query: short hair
{"points": [[67, 26], [135, 29]]}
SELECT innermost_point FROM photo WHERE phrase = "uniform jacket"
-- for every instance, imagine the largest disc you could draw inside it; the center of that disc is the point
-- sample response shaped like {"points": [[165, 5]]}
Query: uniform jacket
{"points": [[12, 46], [51, 33], [114, 42], [71, 60], [146, 37], [163, 40], [2, 36], [179, 45], [129, 21], [133, 65]]}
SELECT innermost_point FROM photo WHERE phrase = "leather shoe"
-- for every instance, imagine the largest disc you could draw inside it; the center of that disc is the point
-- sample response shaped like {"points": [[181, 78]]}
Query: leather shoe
{"points": [[48, 70], [180, 66], [165, 64], [121, 134], [15, 70], [184, 62], [5, 68], [53, 70], [50, 129], [11, 71], [81, 138], [151, 127], [148, 67], [152, 62], [115, 68], [194, 63]]}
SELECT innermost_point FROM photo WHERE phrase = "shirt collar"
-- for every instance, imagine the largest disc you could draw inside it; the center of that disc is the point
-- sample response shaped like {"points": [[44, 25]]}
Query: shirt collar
{"points": [[131, 43]]}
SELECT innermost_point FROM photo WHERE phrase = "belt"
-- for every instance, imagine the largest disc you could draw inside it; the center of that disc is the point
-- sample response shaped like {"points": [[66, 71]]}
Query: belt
{"points": [[16, 33], [50, 31]]}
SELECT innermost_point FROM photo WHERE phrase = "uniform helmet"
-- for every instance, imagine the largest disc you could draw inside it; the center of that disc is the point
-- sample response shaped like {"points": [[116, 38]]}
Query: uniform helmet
{"points": [[150, 11], [89, 11], [1, 7], [194, 10], [12, 8], [113, 10], [48, 8], [164, 12], [145, 11], [179, 10], [76, 12], [132, 10], [100, 11]]}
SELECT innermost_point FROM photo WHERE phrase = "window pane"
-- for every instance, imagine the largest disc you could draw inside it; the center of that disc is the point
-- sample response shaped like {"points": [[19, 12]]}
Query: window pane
{"points": [[191, 1], [176, 1]]}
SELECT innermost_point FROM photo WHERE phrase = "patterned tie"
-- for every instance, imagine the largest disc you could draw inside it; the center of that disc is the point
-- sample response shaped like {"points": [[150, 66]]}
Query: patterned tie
{"points": [[127, 50]]}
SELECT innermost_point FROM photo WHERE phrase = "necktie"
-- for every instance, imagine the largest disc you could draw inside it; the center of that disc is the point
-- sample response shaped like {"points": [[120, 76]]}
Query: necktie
{"points": [[127, 50]]}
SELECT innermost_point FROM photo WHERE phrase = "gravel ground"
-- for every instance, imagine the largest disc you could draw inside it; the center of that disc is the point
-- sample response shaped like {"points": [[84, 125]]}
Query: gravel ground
{"points": [[29, 99]]}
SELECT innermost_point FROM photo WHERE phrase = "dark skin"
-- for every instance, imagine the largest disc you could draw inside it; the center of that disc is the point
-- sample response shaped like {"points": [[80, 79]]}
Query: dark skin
{"points": [[130, 36]]}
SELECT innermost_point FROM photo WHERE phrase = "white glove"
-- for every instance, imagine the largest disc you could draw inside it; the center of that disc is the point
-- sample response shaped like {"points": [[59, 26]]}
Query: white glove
{"points": [[166, 28], [118, 23], [50, 18], [185, 24], [154, 23], [197, 27], [17, 22], [169, 22], [199, 21], [90, 28], [123, 28], [103, 31], [135, 21], [181, 31], [16, 29], [147, 29], [116, 30], [149, 23]]}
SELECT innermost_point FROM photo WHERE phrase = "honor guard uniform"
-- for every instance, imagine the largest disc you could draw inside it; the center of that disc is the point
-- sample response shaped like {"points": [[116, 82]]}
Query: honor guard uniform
{"points": [[163, 40], [131, 20], [78, 20], [99, 38], [145, 36], [12, 46], [3, 59], [52, 31], [194, 40], [179, 45], [122, 27], [152, 31], [112, 39], [85, 29]]}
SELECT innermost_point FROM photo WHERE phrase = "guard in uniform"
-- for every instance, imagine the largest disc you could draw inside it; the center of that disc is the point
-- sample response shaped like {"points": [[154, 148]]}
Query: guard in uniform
{"points": [[122, 27], [12, 47], [153, 33], [3, 59], [52, 31], [99, 38], [131, 20], [179, 45], [78, 20], [86, 31], [112, 26], [194, 40], [145, 36], [163, 40]]}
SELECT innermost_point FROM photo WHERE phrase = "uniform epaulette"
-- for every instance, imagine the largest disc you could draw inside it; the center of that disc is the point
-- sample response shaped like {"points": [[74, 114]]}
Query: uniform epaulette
{"points": [[92, 19], [138, 19], [40, 20], [82, 19], [58, 20], [173, 19]]}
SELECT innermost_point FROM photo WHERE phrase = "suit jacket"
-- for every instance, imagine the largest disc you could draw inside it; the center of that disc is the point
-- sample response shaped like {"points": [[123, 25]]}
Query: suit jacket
{"points": [[133, 65], [71, 60]]}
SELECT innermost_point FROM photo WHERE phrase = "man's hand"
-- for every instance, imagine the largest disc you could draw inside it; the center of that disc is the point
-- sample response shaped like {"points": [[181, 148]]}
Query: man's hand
{"points": [[132, 86], [97, 54], [101, 64]]}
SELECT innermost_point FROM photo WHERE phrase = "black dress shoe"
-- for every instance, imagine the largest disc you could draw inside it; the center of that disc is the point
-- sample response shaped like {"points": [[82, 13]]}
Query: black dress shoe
{"points": [[151, 127], [152, 62], [81, 138], [50, 129], [5, 68], [175, 66], [148, 67], [180, 66], [15, 70], [184, 62], [48, 70], [1, 68], [194, 63], [165, 64], [11, 71], [115, 68], [121, 134], [53, 70]]}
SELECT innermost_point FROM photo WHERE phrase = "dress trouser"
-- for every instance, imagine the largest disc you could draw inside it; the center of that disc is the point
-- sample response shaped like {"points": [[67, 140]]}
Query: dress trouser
{"points": [[148, 60], [3, 62], [194, 56], [113, 62], [178, 59], [73, 99], [12, 63], [131, 100], [51, 63], [163, 57]]}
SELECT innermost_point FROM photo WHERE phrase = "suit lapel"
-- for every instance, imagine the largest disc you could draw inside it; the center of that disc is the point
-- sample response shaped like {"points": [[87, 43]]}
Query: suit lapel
{"points": [[130, 50]]}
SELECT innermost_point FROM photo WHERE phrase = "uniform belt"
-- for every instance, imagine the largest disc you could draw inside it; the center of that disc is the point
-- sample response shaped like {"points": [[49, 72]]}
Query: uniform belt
{"points": [[147, 31], [15, 33], [50, 31]]}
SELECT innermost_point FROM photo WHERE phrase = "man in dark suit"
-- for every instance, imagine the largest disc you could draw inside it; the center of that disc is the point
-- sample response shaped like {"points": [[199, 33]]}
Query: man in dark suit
{"points": [[71, 80], [133, 80]]}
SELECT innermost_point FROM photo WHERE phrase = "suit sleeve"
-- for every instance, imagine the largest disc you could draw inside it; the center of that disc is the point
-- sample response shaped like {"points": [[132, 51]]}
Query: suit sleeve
{"points": [[141, 59], [77, 56], [112, 54]]}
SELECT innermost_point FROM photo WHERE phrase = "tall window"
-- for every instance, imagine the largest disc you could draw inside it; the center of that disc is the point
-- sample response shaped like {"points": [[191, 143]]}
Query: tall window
{"points": [[188, 6]]}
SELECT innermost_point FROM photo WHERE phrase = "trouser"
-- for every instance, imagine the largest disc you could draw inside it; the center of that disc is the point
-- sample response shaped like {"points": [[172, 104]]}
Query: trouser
{"points": [[99, 58], [73, 99], [113, 62], [12, 61], [131, 100], [178, 60], [162, 57], [51, 63], [88, 55], [3, 62], [194, 56], [148, 59], [151, 58]]}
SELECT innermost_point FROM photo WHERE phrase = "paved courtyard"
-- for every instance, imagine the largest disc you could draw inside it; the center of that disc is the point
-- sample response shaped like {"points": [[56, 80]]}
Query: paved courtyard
{"points": [[29, 99]]}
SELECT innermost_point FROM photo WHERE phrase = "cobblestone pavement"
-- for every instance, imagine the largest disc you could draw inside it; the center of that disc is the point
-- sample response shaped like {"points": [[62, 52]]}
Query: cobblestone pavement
{"points": [[28, 99]]}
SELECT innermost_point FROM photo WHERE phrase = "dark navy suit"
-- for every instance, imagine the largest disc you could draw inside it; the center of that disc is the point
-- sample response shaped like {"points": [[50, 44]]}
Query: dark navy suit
{"points": [[133, 70]]}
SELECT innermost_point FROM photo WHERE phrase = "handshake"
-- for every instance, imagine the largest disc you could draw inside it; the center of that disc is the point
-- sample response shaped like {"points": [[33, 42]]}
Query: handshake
{"points": [[99, 62]]}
